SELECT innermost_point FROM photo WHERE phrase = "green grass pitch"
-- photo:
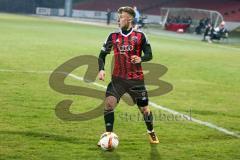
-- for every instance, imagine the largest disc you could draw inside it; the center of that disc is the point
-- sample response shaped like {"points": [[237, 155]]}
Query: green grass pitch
{"points": [[205, 77]]}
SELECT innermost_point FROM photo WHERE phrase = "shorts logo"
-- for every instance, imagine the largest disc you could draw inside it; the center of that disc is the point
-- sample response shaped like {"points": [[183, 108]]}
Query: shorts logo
{"points": [[143, 94]]}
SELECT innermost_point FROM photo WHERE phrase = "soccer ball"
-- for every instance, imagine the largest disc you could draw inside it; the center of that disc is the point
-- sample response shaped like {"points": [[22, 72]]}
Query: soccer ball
{"points": [[108, 141]]}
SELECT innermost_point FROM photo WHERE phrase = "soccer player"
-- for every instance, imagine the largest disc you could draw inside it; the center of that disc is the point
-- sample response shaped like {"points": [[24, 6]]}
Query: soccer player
{"points": [[127, 76]]}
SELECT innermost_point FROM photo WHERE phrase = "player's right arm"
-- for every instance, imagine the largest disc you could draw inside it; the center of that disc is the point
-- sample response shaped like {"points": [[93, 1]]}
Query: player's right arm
{"points": [[106, 49]]}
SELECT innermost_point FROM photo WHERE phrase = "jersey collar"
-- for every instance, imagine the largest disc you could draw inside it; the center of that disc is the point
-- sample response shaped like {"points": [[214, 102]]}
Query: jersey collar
{"points": [[125, 35]]}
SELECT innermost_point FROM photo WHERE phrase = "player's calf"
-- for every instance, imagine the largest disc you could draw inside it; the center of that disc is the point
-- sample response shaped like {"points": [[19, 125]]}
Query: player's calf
{"points": [[110, 104]]}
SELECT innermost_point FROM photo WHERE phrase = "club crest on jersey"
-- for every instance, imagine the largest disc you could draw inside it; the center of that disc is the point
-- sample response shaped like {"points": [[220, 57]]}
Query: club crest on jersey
{"points": [[134, 39]]}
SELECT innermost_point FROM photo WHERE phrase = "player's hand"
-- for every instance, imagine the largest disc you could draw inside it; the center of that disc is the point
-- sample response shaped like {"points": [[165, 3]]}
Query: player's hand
{"points": [[135, 59], [101, 75]]}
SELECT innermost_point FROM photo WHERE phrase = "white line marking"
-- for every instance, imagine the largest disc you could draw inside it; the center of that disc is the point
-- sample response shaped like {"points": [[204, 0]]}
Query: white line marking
{"points": [[208, 124]]}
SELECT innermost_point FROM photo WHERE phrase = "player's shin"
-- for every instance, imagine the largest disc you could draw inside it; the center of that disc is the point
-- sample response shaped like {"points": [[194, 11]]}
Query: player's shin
{"points": [[109, 120], [148, 118]]}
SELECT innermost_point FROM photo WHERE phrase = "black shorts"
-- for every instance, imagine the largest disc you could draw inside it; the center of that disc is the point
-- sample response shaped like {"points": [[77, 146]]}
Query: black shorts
{"points": [[135, 88]]}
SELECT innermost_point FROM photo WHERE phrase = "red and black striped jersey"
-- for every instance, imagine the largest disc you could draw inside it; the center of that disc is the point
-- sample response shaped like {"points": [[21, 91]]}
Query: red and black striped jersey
{"points": [[125, 45]]}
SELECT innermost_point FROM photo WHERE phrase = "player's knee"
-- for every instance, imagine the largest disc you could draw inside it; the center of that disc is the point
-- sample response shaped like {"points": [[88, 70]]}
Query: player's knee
{"points": [[110, 103], [109, 106], [145, 110]]}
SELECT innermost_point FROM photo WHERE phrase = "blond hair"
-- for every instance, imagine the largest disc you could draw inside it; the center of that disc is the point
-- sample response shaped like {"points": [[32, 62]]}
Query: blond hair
{"points": [[128, 10]]}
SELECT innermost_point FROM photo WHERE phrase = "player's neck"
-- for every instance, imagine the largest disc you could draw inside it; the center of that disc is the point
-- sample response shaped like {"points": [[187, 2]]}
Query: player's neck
{"points": [[126, 30]]}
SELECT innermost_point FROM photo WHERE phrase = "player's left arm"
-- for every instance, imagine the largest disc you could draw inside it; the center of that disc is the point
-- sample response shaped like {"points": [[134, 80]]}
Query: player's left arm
{"points": [[146, 48]]}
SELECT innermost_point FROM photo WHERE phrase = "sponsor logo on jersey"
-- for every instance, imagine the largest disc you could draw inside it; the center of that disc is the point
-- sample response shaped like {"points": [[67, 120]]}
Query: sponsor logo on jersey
{"points": [[125, 48]]}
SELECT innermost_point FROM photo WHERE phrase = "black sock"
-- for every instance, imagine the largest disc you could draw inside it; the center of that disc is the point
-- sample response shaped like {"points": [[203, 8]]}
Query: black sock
{"points": [[109, 120], [148, 118]]}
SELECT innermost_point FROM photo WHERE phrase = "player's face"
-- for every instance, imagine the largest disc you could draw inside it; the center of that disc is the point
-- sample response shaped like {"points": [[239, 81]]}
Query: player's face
{"points": [[124, 20]]}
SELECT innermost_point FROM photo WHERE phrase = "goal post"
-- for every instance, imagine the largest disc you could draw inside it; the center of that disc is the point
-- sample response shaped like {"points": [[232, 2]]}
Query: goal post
{"points": [[196, 15]]}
